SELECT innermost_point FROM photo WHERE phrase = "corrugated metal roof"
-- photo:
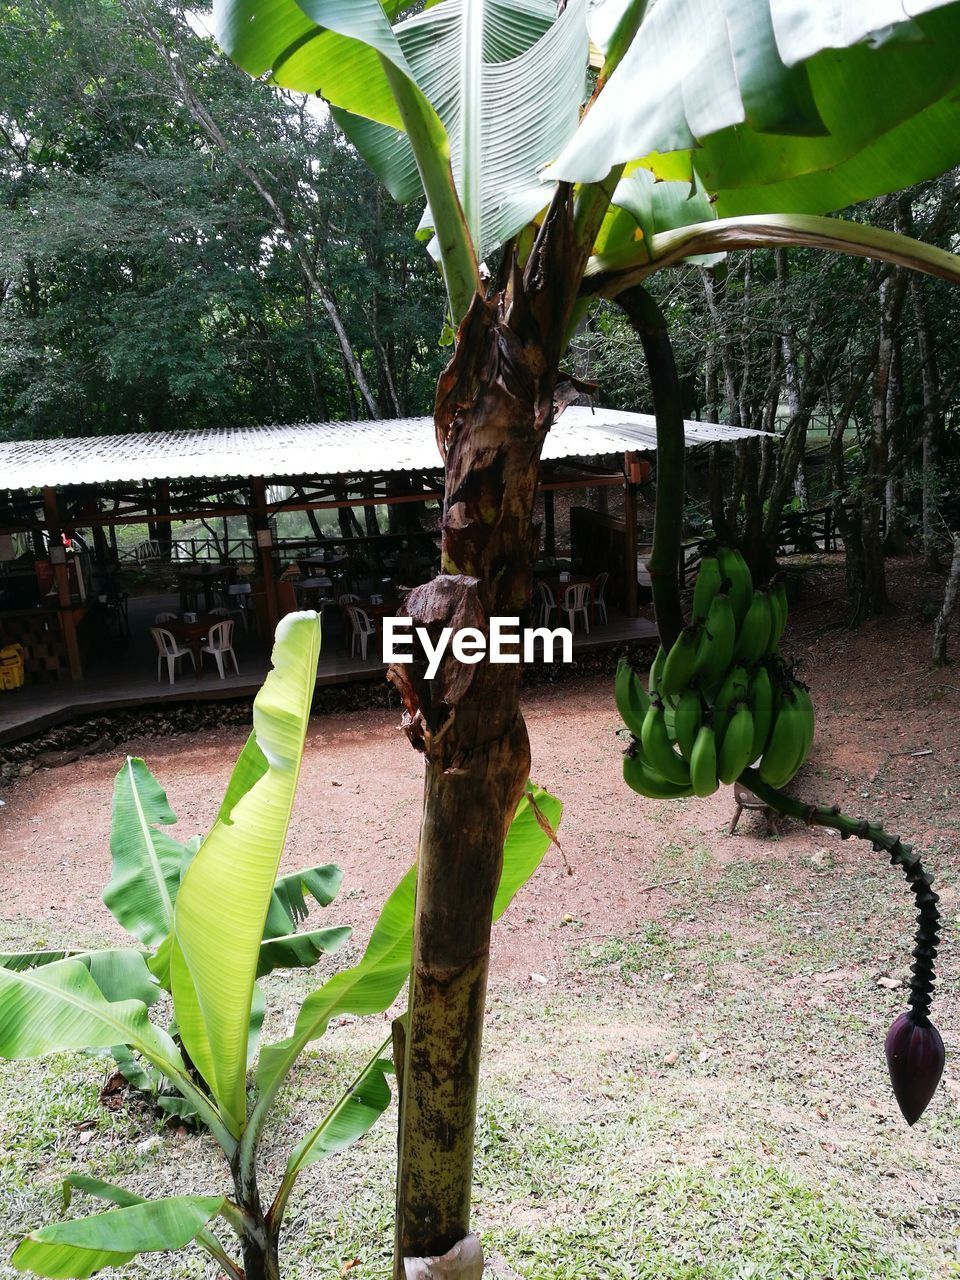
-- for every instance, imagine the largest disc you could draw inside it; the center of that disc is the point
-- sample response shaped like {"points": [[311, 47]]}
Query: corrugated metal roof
{"points": [[306, 449]]}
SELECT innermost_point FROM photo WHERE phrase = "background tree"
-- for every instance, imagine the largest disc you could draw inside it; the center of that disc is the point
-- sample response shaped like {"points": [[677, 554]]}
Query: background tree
{"points": [[144, 281]]}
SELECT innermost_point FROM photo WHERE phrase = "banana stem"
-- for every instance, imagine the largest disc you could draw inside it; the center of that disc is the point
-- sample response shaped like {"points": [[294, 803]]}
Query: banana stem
{"points": [[901, 855]]}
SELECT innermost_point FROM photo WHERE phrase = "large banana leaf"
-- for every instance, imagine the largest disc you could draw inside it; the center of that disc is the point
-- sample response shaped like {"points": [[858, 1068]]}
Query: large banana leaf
{"points": [[505, 77], [375, 982], [223, 901], [60, 1007], [120, 974], [507, 80], [761, 93], [146, 861], [83, 1246]]}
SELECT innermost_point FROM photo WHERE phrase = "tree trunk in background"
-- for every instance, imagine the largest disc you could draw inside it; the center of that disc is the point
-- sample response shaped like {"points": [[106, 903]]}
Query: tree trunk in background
{"points": [[664, 560], [941, 628], [931, 419], [873, 598]]}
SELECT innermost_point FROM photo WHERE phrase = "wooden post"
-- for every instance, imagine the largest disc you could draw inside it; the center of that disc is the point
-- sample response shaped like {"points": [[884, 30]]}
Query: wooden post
{"points": [[549, 524], [261, 525], [61, 577], [630, 550]]}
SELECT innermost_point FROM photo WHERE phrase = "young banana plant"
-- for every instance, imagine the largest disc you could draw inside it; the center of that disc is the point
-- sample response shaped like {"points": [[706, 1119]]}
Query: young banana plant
{"points": [[212, 917]]}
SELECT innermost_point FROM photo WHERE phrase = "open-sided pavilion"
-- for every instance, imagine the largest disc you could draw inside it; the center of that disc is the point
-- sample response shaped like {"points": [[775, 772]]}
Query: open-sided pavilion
{"points": [[58, 605]]}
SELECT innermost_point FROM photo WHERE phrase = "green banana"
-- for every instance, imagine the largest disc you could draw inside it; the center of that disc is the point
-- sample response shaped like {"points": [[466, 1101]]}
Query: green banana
{"points": [[706, 586], [703, 762], [736, 746], [760, 698], [640, 777], [658, 748], [734, 567], [805, 702], [686, 721], [719, 638], [754, 634], [656, 671], [630, 696], [778, 598], [784, 752], [733, 690], [681, 661]]}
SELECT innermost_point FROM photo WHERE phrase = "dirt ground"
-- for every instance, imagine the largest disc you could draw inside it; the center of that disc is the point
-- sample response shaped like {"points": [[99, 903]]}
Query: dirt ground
{"points": [[887, 744]]}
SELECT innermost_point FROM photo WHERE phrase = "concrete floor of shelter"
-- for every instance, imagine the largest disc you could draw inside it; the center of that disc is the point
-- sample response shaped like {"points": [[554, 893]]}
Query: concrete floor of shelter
{"points": [[121, 675]]}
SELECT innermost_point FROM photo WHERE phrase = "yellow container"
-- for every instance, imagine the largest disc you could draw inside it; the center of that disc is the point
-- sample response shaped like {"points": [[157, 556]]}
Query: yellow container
{"points": [[11, 666]]}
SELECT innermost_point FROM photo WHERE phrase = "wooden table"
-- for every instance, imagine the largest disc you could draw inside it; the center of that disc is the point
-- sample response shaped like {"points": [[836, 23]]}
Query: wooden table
{"points": [[193, 634]]}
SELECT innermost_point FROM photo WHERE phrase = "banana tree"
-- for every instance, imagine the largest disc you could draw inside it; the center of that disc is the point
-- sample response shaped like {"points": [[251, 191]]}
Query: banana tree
{"points": [[579, 147]]}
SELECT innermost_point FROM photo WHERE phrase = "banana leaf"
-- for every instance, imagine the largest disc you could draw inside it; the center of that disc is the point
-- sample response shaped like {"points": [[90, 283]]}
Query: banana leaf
{"points": [[146, 861], [288, 907], [300, 950], [60, 1007], [779, 98], [83, 1246], [226, 892], [121, 974]]}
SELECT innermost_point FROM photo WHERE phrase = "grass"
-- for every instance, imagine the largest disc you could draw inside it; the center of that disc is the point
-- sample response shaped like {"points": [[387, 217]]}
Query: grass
{"points": [[702, 1098]]}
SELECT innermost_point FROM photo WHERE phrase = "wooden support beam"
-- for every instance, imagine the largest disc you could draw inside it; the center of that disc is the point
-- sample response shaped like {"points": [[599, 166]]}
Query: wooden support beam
{"points": [[261, 527], [630, 551], [61, 577], [549, 524]]}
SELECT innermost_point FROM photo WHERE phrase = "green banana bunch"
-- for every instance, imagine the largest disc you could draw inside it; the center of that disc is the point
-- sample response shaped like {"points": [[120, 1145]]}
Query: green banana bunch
{"points": [[722, 698]]}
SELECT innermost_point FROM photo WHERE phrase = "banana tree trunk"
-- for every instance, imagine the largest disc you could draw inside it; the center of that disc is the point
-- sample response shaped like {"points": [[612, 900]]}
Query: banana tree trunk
{"points": [[494, 407]]}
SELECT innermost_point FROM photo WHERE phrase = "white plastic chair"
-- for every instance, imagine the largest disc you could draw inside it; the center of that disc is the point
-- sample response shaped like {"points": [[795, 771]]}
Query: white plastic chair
{"points": [[576, 599], [363, 629], [219, 612], [347, 598], [547, 603], [161, 618], [599, 604], [218, 643], [169, 650]]}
